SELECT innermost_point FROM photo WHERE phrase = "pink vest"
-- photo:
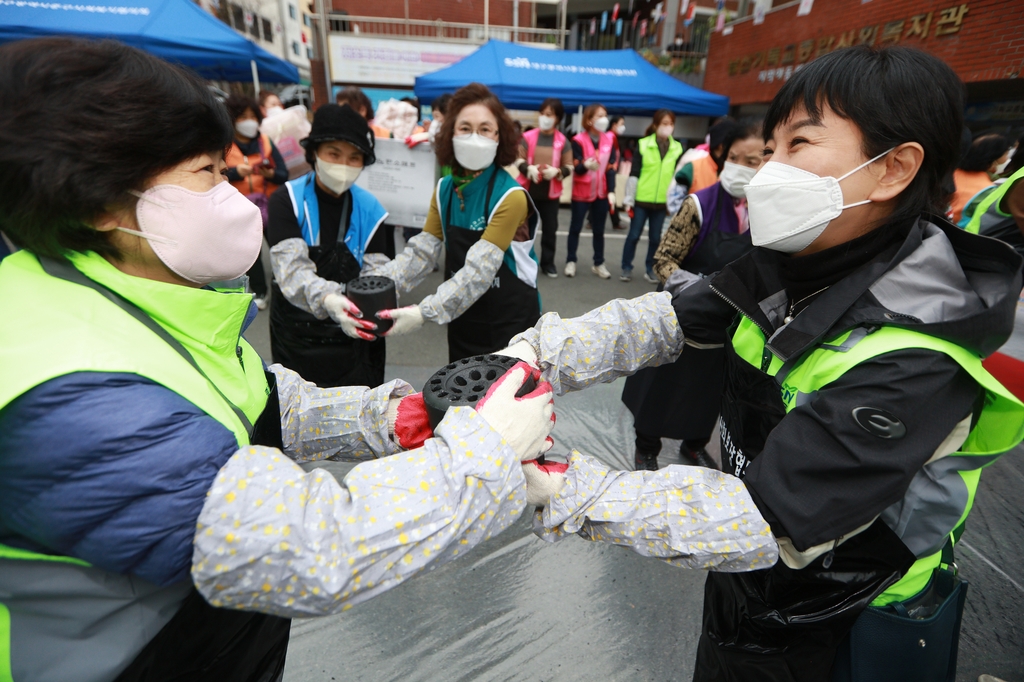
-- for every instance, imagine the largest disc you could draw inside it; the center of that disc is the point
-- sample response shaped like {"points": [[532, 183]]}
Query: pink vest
{"points": [[593, 185], [557, 145]]}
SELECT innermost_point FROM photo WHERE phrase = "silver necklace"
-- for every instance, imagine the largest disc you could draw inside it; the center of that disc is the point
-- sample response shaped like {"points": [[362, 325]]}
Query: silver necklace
{"points": [[794, 304]]}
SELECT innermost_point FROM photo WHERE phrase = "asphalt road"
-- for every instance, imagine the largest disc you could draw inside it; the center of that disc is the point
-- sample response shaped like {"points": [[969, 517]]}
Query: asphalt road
{"points": [[516, 608]]}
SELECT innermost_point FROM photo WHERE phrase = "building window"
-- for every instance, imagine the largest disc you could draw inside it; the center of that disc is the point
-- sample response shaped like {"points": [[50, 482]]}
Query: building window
{"points": [[309, 53], [291, 11], [238, 17], [268, 30], [306, 20], [295, 47]]}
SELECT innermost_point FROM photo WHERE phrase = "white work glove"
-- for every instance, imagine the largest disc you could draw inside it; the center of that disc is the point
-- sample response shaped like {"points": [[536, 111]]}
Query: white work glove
{"points": [[611, 200], [524, 422], [544, 479], [591, 164], [349, 318], [407, 319], [522, 350], [551, 172], [533, 172]]}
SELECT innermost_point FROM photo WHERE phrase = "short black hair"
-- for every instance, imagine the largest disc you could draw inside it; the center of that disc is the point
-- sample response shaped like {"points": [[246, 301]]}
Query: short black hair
{"points": [[357, 99], [82, 123], [237, 104], [440, 103], [738, 132], [985, 150], [893, 95], [556, 106]]}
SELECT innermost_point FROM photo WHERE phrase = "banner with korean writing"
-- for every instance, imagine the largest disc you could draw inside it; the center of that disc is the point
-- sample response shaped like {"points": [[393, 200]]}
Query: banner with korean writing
{"points": [[403, 180]]}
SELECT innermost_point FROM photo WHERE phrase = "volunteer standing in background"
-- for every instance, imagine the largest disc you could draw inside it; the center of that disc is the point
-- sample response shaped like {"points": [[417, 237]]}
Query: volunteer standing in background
{"points": [[546, 159], [595, 160], [681, 400], [270, 104], [647, 190], [618, 128], [322, 229], [486, 222], [256, 168], [985, 159]]}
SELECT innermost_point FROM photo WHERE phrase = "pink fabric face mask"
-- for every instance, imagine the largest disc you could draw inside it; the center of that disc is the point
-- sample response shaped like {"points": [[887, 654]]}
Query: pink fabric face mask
{"points": [[201, 236]]}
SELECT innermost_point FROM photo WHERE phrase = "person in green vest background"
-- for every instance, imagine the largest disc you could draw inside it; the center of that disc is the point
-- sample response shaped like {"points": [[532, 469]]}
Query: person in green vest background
{"points": [[647, 190], [155, 523], [487, 222], [856, 414]]}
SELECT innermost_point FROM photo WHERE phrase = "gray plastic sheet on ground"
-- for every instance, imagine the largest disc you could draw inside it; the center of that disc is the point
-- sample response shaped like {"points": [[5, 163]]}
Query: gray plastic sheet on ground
{"points": [[517, 608]]}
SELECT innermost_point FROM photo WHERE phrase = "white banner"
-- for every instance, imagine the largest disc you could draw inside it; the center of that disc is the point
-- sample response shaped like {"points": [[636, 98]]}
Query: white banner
{"points": [[403, 180], [389, 62], [805, 8]]}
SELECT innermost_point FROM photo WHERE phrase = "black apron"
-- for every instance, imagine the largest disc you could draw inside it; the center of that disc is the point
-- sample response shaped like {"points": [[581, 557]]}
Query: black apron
{"points": [[682, 400], [782, 624], [508, 307], [202, 643], [318, 350]]}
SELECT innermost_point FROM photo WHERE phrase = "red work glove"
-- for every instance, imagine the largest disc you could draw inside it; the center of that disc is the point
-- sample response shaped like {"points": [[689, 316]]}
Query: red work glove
{"points": [[408, 421], [630, 212]]}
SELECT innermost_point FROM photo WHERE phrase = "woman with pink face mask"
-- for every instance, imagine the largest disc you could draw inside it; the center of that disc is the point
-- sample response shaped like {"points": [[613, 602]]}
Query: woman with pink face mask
{"points": [[154, 520]]}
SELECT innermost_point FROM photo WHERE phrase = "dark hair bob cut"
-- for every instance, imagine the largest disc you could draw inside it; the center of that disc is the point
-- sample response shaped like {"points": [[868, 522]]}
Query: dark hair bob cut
{"points": [[508, 137], [556, 106], [237, 104], [81, 124], [893, 95], [984, 151]]}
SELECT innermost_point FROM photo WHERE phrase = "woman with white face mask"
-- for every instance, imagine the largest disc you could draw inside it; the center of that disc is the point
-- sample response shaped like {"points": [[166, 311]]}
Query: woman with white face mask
{"points": [[647, 190], [325, 231], [545, 159], [681, 400], [856, 412], [151, 500], [256, 169], [595, 160], [486, 222]]}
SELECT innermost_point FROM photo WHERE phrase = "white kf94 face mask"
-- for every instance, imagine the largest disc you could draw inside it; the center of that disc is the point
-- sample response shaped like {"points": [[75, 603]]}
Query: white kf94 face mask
{"points": [[337, 177], [545, 123], [789, 207], [474, 152], [734, 177]]}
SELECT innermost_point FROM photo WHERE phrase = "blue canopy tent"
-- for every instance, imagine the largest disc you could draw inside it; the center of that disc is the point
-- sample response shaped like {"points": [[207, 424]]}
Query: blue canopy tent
{"points": [[176, 30], [621, 80]]}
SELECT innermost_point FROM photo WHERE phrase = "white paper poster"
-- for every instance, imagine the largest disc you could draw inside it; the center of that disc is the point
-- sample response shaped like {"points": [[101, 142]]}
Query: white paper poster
{"points": [[403, 180], [805, 8], [389, 62], [758, 13]]}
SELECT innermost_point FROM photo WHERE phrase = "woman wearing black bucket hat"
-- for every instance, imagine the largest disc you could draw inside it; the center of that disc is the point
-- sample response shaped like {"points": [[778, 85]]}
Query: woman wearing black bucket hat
{"points": [[323, 232]]}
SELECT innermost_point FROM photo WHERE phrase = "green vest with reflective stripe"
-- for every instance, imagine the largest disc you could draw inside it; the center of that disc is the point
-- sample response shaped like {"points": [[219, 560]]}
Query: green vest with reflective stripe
{"points": [[999, 428], [656, 172], [988, 210], [52, 327]]}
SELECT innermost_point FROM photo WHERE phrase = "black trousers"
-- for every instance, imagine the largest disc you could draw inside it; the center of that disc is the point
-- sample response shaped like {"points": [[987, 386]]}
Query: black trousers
{"points": [[548, 210], [257, 277], [651, 444]]}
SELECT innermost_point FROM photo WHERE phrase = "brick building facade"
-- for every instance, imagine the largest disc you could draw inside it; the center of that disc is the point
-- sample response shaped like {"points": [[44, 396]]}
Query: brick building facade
{"points": [[983, 40]]}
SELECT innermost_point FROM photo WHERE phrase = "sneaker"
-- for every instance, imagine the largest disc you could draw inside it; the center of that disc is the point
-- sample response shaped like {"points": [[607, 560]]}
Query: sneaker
{"points": [[700, 458], [645, 461], [570, 269], [260, 301], [650, 278], [550, 270], [626, 276], [601, 271]]}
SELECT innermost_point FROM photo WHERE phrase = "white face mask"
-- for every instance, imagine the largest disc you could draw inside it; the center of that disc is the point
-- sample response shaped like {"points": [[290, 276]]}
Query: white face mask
{"points": [[1002, 166], [734, 177], [274, 111], [665, 132], [790, 207], [601, 124], [545, 122], [337, 177], [620, 129], [248, 128], [435, 125], [474, 152]]}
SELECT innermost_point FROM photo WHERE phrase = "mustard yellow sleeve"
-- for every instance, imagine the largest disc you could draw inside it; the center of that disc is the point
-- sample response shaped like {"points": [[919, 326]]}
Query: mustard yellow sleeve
{"points": [[506, 220], [433, 224]]}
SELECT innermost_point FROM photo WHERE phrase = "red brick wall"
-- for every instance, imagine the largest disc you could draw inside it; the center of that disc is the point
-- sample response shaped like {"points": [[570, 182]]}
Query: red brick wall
{"points": [[466, 11], [989, 45]]}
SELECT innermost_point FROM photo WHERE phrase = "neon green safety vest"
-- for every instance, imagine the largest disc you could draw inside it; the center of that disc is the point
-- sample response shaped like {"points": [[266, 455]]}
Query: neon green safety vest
{"points": [[999, 428], [53, 327], [656, 172], [988, 210]]}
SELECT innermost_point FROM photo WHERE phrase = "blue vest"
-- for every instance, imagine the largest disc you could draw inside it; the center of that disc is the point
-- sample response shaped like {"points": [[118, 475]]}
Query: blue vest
{"points": [[367, 214]]}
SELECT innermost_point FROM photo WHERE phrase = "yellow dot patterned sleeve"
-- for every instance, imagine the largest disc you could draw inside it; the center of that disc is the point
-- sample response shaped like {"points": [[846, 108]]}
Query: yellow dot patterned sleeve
{"points": [[688, 516], [615, 340], [275, 539]]}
